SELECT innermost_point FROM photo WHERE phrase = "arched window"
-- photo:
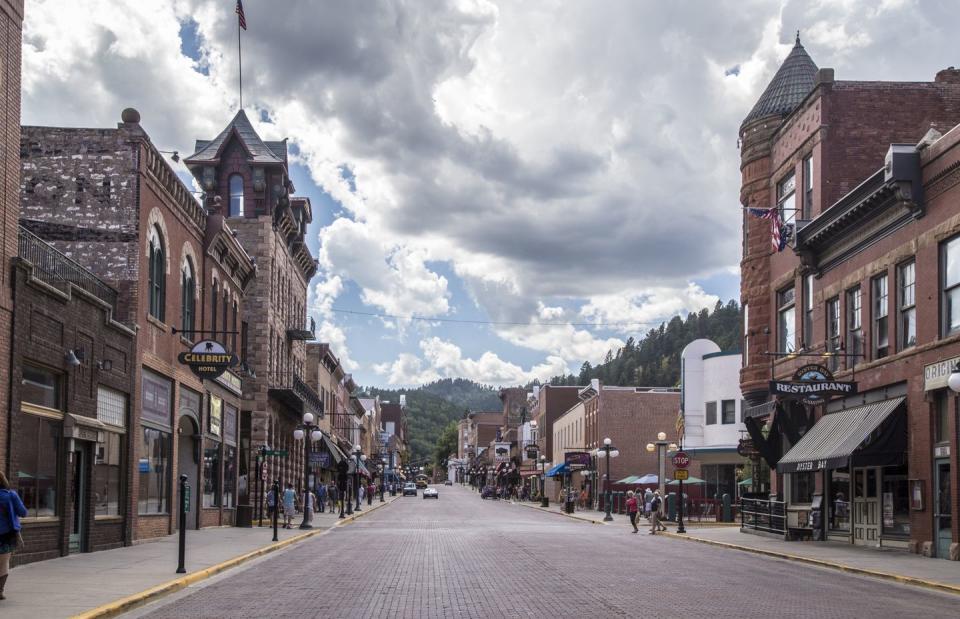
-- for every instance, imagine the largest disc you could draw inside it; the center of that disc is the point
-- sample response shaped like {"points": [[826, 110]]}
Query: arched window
{"points": [[156, 273], [234, 337], [188, 288], [213, 310], [236, 195]]}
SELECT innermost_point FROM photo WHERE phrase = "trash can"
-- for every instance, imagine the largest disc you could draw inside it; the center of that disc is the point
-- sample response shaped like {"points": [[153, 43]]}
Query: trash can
{"points": [[671, 506], [244, 516]]}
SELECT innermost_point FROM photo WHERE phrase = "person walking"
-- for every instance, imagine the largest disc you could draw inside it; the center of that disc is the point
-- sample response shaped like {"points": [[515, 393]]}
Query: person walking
{"points": [[321, 497], [633, 509], [332, 497], [309, 508], [289, 506], [655, 514], [11, 510], [647, 498]]}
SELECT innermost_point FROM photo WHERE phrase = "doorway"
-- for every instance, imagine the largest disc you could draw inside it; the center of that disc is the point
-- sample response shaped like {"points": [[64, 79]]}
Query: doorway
{"points": [[188, 463], [866, 506], [78, 528], [942, 521]]}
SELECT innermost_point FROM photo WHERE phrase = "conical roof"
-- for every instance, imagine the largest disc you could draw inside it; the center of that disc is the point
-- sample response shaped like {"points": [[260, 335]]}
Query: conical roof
{"points": [[260, 151], [794, 80]]}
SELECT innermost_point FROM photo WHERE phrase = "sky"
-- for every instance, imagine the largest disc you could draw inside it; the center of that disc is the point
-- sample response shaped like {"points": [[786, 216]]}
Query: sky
{"points": [[539, 179]]}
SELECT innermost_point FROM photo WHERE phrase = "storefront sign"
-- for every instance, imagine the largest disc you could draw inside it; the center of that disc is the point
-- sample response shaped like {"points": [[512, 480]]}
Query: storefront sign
{"points": [[208, 359], [533, 452], [216, 414], [321, 459], [231, 381], [501, 452], [577, 459], [812, 383], [936, 374]]}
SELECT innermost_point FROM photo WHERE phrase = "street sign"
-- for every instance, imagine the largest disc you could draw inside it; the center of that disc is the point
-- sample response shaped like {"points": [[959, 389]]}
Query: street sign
{"points": [[263, 471], [681, 460], [681, 474], [280, 453], [186, 498]]}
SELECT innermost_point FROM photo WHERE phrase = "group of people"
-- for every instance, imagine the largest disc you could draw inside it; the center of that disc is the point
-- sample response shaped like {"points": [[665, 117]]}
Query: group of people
{"points": [[652, 504], [324, 496], [12, 510]]}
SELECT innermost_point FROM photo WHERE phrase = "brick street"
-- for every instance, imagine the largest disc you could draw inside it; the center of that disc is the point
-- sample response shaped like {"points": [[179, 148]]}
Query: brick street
{"points": [[462, 556]]}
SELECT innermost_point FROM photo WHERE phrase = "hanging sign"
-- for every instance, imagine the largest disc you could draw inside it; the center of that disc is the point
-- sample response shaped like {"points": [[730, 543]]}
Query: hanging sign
{"points": [[208, 359], [533, 451], [577, 459], [501, 452], [812, 384]]}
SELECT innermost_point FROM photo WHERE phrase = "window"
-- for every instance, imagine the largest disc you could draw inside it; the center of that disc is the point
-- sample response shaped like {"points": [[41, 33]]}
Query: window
{"points": [[854, 325], [106, 475], [801, 487], [154, 469], [839, 495], [38, 465], [941, 417], [896, 501], [786, 200], [40, 387], [188, 288], [833, 332], [216, 414], [156, 274], [881, 329], [243, 341], [906, 306], [111, 407], [226, 309], [746, 335], [807, 188], [710, 409], [215, 293], [233, 338], [229, 476], [155, 402], [229, 423], [728, 410], [236, 195], [786, 321], [807, 311], [950, 285], [211, 476]]}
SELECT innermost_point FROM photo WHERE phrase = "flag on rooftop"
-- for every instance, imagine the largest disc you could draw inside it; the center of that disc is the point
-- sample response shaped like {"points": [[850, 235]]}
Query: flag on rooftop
{"points": [[240, 15]]}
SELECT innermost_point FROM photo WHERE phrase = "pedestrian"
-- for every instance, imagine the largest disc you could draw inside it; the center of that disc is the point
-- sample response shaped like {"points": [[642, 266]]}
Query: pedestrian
{"points": [[289, 506], [360, 492], [310, 507], [647, 498], [332, 497], [655, 514], [371, 490], [11, 510], [632, 509], [271, 503], [321, 496]]}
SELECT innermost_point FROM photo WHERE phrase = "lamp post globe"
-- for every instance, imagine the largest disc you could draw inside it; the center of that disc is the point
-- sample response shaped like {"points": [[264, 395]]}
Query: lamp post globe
{"points": [[954, 381]]}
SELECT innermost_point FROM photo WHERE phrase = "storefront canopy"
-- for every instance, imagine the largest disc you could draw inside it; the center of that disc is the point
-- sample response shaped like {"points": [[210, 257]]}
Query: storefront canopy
{"points": [[335, 452], [559, 469], [627, 480], [836, 437]]}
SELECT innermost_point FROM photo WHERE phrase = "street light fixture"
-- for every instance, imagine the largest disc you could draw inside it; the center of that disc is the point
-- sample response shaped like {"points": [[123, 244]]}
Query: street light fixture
{"points": [[357, 453], [544, 499], [307, 428], [610, 452], [661, 446]]}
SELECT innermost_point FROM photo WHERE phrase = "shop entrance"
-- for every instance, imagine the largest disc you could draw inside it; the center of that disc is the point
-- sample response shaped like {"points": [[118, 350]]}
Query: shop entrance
{"points": [[942, 521], [188, 463], [78, 528], [866, 506]]}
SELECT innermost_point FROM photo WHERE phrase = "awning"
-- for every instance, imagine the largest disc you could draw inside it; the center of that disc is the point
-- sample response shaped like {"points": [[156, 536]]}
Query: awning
{"points": [[837, 436], [627, 480], [529, 472], [333, 449], [559, 469]]}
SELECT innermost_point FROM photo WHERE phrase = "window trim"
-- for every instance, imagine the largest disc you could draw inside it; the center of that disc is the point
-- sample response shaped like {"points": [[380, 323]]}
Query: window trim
{"points": [[156, 274], [807, 170], [875, 318], [240, 212], [851, 332], [782, 308], [833, 335], [945, 318], [807, 336], [188, 300], [901, 308]]}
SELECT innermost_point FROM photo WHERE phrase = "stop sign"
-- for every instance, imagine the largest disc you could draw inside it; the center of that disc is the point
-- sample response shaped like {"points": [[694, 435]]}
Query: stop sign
{"points": [[681, 460]]}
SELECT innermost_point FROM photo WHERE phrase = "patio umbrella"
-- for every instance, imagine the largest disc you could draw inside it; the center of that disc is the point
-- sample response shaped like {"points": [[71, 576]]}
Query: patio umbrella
{"points": [[692, 480], [649, 478], [627, 480], [746, 482]]}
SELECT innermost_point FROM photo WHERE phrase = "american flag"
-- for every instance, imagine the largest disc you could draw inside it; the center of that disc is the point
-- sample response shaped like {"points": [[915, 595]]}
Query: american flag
{"points": [[240, 15], [681, 426], [777, 239]]}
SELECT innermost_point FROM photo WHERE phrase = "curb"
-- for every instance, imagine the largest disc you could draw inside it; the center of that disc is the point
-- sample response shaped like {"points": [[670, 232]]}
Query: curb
{"points": [[571, 516], [905, 580], [112, 609]]}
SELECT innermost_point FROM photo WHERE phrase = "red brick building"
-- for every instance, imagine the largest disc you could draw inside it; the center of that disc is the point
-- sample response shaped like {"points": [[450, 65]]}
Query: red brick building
{"points": [[867, 188], [548, 403]]}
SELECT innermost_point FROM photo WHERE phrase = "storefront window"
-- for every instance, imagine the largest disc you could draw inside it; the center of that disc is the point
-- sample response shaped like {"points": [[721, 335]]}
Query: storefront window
{"points": [[40, 386], [720, 479], [229, 476], [216, 414], [941, 420], [896, 501], [839, 519], [106, 475], [801, 487], [211, 476], [38, 465], [154, 470]]}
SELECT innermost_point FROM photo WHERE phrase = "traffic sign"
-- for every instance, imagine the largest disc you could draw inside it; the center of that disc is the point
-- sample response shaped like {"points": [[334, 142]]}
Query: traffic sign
{"points": [[186, 498], [263, 471], [681, 460], [280, 453], [681, 474]]}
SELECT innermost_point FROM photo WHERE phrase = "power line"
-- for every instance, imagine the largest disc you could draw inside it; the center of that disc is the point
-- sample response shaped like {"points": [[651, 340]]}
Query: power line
{"points": [[483, 322]]}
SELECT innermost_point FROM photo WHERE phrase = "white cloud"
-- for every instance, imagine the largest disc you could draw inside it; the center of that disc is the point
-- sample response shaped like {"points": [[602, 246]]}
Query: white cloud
{"points": [[644, 309]]}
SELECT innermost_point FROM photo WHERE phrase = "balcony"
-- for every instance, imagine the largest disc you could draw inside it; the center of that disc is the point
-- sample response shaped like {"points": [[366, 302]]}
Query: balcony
{"points": [[307, 334], [299, 397]]}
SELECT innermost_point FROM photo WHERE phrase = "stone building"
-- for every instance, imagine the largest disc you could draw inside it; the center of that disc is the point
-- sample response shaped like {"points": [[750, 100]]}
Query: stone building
{"points": [[72, 383], [11, 23], [246, 181], [107, 199], [859, 302]]}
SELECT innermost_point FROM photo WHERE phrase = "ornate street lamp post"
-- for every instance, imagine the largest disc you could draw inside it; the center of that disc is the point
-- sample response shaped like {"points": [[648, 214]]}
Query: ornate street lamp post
{"points": [[544, 499], [610, 452], [357, 454], [307, 428], [661, 446]]}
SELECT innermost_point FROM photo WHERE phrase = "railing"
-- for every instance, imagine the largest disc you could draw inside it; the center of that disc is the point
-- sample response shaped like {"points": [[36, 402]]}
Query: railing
{"points": [[760, 410], [307, 333], [56, 269], [763, 515], [308, 395]]}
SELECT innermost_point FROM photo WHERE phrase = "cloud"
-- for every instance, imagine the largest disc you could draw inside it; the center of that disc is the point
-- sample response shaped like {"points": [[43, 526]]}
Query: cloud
{"points": [[642, 310]]}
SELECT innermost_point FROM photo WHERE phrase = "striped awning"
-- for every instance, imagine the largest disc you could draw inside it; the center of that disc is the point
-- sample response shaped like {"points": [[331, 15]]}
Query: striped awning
{"points": [[836, 436]]}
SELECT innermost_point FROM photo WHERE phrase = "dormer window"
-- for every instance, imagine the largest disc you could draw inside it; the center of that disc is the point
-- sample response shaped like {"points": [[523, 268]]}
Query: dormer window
{"points": [[236, 195]]}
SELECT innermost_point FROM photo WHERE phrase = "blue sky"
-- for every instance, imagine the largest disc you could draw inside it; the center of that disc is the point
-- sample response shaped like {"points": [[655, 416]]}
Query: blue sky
{"points": [[515, 162]]}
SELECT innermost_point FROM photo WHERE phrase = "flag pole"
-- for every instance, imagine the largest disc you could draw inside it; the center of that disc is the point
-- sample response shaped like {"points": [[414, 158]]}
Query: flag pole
{"points": [[240, 63]]}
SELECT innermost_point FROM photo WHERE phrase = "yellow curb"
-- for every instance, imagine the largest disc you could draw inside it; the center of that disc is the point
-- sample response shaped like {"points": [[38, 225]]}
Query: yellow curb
{"points": [[547, 511], [112, 609], [906, 580]]}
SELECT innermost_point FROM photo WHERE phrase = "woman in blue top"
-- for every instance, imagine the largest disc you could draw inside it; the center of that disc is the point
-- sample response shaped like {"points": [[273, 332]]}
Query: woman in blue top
{"points": [[11, 510]]}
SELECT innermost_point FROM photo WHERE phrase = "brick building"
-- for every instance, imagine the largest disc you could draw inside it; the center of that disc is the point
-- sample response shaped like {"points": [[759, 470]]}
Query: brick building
{"points": [[72, 382], [11, 23], [868, 186], [107, 199], [547, 404], [394, 420], [246, 181]]}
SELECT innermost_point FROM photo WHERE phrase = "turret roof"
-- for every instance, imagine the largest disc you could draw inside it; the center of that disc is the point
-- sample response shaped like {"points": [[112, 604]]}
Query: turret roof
{"points": [[793, 81], [260, 151]]}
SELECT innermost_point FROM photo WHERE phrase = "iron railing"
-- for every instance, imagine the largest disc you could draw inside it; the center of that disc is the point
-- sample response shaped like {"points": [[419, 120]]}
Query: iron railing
{"points": [[308, 395], [56, 269], [763, 515]]}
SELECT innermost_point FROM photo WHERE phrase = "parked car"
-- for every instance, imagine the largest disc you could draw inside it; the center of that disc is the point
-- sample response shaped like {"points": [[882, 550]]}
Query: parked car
{"points": [[421, 483], [431, 493], [409, 489], [489, 492], [447, 482]]}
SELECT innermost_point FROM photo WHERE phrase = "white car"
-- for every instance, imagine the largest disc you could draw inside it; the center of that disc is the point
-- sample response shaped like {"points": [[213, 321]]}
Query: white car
{"points": [[431, 493]]}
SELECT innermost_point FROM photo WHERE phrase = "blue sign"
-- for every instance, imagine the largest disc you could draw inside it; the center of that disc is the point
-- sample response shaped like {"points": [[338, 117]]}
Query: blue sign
{"points": [[144, 465]]}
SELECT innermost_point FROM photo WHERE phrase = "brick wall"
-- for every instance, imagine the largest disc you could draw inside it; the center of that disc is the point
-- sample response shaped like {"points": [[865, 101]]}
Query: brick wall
{"points": [[632, 419], [552, 401]]}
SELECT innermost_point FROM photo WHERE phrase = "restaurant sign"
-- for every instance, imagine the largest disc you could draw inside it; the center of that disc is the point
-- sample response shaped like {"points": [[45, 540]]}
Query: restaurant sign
{"points": [[812, 384], [208, 359], [577, 459], [935, 375]]}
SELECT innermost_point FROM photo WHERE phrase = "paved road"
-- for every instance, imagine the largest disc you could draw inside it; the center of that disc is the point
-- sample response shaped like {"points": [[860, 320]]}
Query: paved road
{"points": [[464, 557]]}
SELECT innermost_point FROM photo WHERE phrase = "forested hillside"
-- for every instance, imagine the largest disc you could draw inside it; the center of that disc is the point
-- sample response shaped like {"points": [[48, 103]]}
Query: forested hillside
{"points": [[466, 394]]}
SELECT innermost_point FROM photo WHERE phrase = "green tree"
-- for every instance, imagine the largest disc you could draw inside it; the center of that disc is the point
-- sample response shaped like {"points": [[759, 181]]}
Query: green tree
{"points": [[446, 444]]}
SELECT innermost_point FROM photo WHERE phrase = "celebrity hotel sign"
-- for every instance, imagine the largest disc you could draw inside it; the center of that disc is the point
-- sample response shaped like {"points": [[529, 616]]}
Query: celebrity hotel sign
{"points": [[208, 359], [812, 383]]}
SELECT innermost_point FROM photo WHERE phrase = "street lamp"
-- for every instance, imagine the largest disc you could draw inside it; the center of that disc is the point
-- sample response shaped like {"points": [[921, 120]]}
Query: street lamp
{"points": [[610, 452], [383, 473], [544, 499], [660, 446], [357, 453], [311, 429]]}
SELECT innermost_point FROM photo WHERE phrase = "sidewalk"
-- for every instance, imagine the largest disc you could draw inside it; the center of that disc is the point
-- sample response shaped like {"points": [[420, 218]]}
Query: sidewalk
{"points": [[596, 517], [84, 582], [889, 564]]}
